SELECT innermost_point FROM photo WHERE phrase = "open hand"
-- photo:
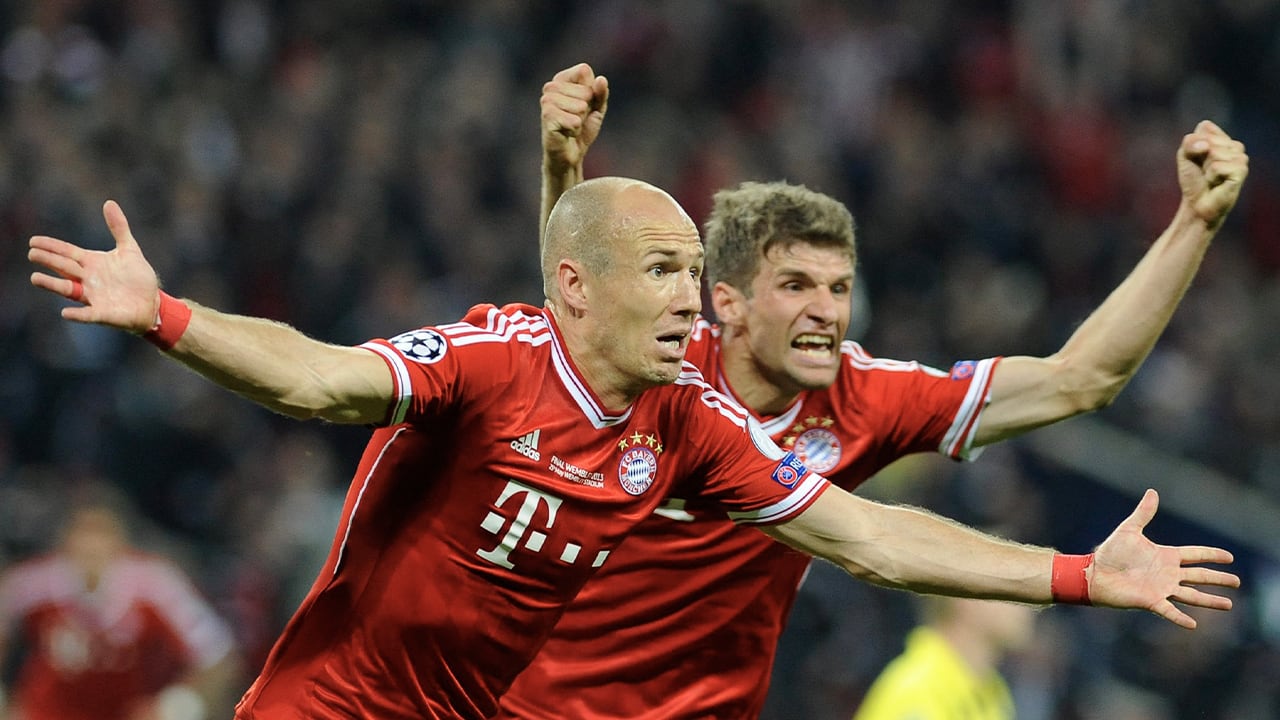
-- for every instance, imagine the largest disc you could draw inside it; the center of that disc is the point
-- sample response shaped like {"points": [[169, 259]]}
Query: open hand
{"points": [[117, 287], [1130, 571]]}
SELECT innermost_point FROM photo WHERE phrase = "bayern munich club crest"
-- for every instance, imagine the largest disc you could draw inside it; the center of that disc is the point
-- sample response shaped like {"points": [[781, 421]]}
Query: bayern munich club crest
{"points": [[424, 346], [637, 470], [813, 443], [820, 449], [638, 467]]}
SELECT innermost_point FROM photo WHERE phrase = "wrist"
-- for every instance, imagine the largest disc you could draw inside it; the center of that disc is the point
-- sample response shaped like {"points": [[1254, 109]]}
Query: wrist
{"points": [[561, 170], [1069, 583], [1189, 218], [172, 318]]}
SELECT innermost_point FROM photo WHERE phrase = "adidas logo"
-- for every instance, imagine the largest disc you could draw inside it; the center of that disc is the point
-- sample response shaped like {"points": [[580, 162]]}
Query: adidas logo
{"points": [[527, 445]]}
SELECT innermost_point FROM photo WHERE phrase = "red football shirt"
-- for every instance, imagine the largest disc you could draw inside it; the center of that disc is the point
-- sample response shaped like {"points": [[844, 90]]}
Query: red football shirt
{"points": [[497, 487], [684, 621], [98, 655]]}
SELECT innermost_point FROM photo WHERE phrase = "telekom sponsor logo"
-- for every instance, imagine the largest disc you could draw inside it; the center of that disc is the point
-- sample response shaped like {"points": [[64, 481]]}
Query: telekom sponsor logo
{"points": [[518, 531]]}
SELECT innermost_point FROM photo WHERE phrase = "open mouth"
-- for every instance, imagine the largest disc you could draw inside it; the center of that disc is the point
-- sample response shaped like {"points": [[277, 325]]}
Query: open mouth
{"points": [[673, 342], [813, 345]]}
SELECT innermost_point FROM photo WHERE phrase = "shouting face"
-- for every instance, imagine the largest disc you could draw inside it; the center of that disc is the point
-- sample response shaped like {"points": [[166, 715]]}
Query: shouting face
{"points": [[785, 336]]}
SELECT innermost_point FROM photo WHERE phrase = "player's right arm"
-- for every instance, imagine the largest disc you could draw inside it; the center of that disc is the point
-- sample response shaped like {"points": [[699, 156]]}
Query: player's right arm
{"points": [[573, 103], [268, 362], [913, 549]]}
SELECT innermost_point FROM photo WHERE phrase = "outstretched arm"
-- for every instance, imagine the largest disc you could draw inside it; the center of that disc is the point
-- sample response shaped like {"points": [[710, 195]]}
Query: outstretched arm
{"points": [[265, 361], [573, 103], [913, 549], [1104, 353]]}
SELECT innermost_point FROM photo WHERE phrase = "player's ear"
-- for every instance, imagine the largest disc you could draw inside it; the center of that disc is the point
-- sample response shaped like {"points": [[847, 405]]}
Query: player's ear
{"points": [[729, 303], [573, 290]]}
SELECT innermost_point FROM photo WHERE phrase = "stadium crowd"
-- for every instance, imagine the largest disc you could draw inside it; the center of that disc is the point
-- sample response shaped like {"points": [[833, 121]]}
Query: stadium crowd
{"points": [[358, 168]]}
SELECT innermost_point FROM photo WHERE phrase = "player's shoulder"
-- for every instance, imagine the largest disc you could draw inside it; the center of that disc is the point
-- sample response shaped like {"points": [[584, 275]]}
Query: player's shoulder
{"points": [[692, 393], [488, 323], [689, 384], [859, 368], [858, 360], [486, 330]]}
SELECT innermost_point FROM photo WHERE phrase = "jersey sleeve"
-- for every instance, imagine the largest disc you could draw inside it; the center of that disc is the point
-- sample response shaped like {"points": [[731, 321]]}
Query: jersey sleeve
{"points": [[741, 468], [424, 373], [432, 367], [912, 407]]}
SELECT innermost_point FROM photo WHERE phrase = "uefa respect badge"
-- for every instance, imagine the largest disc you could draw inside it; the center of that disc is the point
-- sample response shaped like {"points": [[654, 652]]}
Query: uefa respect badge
{"points": [[789, 471]]}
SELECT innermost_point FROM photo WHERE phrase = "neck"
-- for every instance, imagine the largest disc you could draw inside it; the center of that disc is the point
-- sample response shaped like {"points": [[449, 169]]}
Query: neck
{"points": [[594, 369], [597, 376], [748, 380]]}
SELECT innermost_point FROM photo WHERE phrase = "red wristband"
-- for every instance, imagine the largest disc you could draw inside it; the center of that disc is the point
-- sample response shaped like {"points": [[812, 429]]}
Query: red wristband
{"points": [[171, 321], [1070, 584]]}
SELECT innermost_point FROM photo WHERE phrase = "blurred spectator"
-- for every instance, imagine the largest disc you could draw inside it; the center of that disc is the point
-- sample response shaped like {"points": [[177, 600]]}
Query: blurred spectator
{"points": [[950, 668], [104, 631]]}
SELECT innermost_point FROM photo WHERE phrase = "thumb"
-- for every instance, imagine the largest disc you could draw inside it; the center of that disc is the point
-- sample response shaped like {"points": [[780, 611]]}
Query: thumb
{"points": [[1146, 510], [118, 224], [600, 99]]}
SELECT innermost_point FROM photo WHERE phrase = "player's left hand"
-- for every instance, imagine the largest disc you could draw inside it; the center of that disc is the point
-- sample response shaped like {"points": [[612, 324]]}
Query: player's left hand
{"points": [[1130, 571], [1211, 169]]}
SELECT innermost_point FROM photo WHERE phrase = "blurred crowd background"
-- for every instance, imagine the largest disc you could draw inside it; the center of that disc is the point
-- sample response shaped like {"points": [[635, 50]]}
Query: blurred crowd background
{"points": [[361, 167]]}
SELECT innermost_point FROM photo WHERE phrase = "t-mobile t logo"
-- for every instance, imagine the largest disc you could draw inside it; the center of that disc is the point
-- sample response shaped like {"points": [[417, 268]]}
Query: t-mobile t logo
{"points": [[519, 531]]}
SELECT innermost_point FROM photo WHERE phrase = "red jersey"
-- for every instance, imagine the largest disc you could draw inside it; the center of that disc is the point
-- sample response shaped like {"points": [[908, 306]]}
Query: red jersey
{"points": [[497, 488], [99, 655], [685, 620]]}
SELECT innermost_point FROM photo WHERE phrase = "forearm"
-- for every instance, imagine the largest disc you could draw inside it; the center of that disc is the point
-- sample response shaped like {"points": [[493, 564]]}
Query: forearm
{"points": [[1114, 340], [556, 179], [282, 369], [1106, 350], [915, 550]]}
